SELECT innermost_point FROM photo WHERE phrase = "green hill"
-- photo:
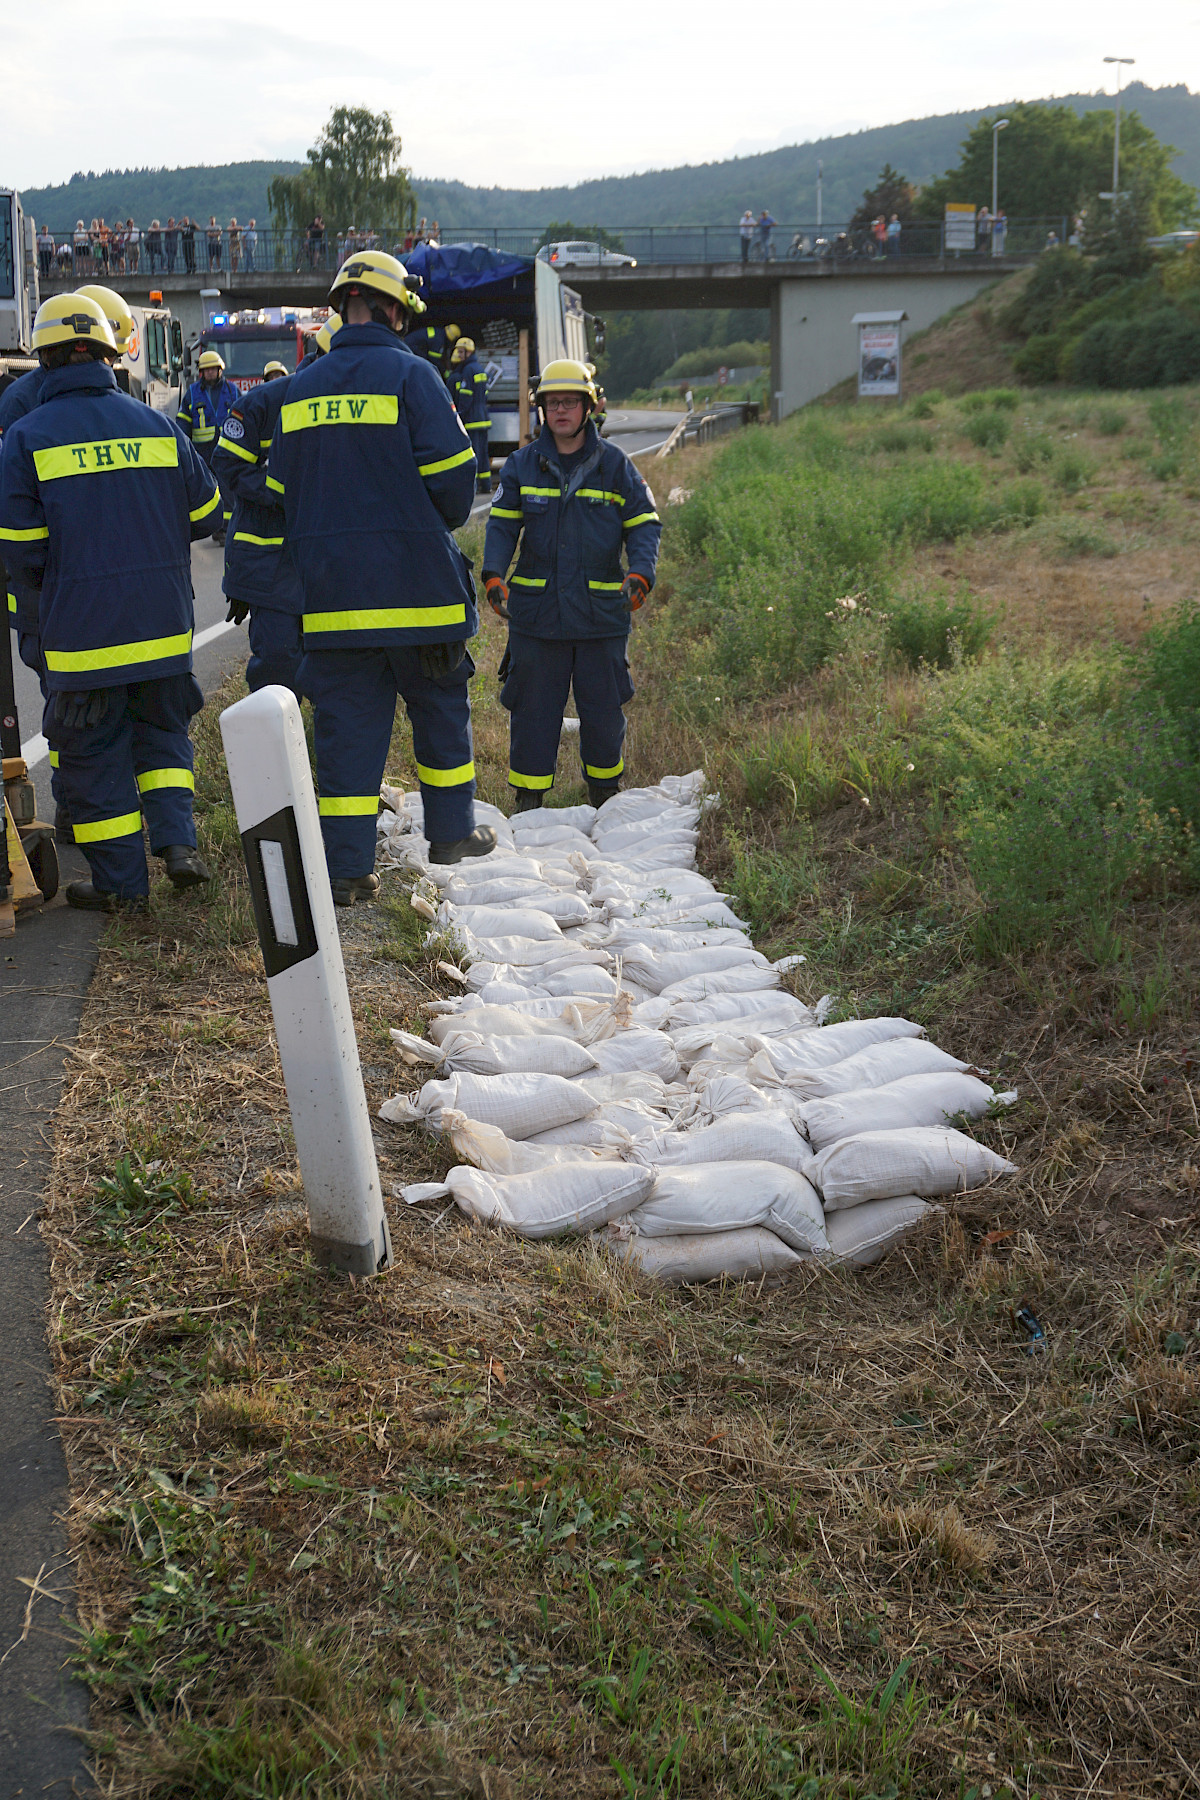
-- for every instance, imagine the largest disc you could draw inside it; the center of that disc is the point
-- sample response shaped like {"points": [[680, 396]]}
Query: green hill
{"points": [[705, 193]]}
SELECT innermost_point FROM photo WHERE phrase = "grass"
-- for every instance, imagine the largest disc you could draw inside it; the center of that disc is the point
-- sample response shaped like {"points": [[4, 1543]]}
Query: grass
{"points": [[509, 1521]]}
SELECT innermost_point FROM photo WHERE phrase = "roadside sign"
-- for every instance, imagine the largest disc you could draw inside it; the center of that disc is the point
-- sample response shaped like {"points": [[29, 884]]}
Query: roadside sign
{"points": [[879, 354], [960, 227], [722, 376]]}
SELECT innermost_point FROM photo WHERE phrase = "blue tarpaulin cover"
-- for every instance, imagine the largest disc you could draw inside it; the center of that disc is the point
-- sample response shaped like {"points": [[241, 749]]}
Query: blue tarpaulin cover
{"points": [[456, 268]]}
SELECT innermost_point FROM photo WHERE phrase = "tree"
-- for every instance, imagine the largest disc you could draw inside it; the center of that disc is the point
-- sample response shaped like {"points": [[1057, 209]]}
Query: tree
{"points": [[354, 177], [892, 193], [1053, 164]]}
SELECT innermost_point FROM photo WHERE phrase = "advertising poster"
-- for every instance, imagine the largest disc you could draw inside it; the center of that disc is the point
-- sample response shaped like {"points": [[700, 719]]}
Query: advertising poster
{"points": [[878, 361], [960, 228]]}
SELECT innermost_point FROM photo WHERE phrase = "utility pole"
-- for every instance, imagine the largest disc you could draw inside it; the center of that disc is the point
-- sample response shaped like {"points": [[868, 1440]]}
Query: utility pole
{"points": [[820, 169], [997, 128], [1116, 186]]}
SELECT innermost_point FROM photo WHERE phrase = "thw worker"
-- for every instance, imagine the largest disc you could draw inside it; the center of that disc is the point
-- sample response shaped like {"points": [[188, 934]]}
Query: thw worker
{"points": [[569, 504]]}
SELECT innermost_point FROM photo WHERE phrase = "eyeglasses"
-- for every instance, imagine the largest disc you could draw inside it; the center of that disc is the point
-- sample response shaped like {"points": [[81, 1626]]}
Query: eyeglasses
{"points": [[560, 402]]}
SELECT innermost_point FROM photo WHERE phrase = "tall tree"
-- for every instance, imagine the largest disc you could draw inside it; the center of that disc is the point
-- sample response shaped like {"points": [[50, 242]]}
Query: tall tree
{"points": [[354, 177], [1053, 162], [892, 193]]}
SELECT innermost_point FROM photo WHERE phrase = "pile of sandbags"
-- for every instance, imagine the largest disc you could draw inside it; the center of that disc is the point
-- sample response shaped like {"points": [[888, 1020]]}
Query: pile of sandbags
{"points": [[623, 1061]]}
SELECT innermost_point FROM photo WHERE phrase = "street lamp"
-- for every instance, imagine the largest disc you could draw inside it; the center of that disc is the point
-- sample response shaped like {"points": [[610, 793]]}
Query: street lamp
{"points": [[1116, 186], [997, 128]]}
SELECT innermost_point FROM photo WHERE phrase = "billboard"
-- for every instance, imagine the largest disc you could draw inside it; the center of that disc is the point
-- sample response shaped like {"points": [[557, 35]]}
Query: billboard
{"points": [[960, 228], [879, 361]]}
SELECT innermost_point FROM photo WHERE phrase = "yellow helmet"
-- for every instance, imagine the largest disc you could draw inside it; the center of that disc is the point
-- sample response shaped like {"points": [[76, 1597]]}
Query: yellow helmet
{"points": [[327, 332], [565, 376], [453, 333], [211, 359], [274, 368], [463, 348], [375, 272], [591, 369], [71, 319], [115, 310]]}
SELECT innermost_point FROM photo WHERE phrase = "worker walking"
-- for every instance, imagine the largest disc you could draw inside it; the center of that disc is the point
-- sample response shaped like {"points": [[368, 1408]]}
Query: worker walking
{"points": [[376, 472], [468, 384], [434, 343], [206, 406], [85, 476], [567, 505]]}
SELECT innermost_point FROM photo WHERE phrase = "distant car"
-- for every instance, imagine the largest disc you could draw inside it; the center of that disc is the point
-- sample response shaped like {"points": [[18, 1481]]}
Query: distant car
{"points": [[1173, 240], [578, 255]]}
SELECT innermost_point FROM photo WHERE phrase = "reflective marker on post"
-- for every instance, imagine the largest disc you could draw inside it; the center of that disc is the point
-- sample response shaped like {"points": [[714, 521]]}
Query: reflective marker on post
{"points": [[285, 861]]}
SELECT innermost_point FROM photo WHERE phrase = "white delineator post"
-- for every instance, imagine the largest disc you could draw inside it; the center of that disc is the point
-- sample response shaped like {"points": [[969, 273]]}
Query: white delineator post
{"points": [[285, 860]]}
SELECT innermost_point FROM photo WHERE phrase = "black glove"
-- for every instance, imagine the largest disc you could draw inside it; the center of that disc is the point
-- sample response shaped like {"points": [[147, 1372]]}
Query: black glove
{"points": [[74, 711], [440, 660], [239, 612]]}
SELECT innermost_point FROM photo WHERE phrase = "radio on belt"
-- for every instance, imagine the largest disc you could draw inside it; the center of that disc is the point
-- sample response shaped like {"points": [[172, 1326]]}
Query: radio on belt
{"points": [[293, 907]]}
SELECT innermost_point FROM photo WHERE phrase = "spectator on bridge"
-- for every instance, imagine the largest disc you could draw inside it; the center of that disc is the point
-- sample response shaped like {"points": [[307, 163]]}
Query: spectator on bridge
{"points": [[133, 247], [315, 236], [45, 249], [983, 229], [82, 247], [154, 246], [100, 246], [746, 233], [894, 229], [235, 245], [187, 238], [170, 244], [999, 232], [250, 245], [116, 249], [64, 260], [766, 225], [879, 234], [435, 235], [1076, 238], [213, 238], [1051, 242]]}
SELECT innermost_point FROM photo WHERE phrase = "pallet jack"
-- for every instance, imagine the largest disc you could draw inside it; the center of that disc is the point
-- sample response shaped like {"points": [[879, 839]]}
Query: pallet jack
{"points": [[28, 859]]}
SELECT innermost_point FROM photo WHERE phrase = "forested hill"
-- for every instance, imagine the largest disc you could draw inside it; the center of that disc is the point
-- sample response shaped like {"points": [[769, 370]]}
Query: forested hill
{"points": [[782, 180]]}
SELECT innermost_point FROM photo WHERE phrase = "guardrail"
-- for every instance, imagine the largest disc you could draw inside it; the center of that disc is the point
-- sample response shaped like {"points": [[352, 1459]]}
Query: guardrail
{"points": [[265, 251], [702, 428]]}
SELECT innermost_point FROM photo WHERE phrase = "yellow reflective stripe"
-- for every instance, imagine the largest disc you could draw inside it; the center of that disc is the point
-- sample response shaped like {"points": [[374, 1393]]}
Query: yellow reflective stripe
{"points": [[106, 454], [480, 425], [54, 759], [450, 462], [272, 483], [529, 781], [386, 618], [150, 779], [607, 586], [265, 443], [12, 603], [202, 512], [100, 830], [604, 774], [202, 433], [227, 443], [503, 512], [446, 777], [248, 537], [599, 494], [545, 493], [341, 409], [116, 656], [529, 581], [641, 519], [25, 537], [349, 806]]}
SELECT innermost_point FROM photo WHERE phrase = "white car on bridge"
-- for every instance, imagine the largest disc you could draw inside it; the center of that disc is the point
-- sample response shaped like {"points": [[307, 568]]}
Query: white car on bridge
{"points": [[578, 255]]}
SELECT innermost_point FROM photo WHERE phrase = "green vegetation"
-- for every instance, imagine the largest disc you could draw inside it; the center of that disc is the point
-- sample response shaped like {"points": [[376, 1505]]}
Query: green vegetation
{"points": [[354, 177], [738, 355]]}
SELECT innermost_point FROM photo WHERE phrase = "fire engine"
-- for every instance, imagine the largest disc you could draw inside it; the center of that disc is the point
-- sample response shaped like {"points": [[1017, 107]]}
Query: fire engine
{"points": [[249, 340]]}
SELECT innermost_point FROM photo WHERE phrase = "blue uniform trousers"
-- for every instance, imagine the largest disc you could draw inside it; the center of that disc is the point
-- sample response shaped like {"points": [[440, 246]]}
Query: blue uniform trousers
{"points": [[540, 675], [276, 646], [354, 696], [135, 762]]}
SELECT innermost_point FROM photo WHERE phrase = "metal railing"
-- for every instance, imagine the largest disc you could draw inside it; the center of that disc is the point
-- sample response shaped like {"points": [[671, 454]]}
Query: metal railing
{"points": [[266, 251]]}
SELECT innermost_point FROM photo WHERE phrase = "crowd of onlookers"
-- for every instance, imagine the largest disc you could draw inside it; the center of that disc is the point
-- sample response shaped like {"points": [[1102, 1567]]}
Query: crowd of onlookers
{"points": [[184, 246]]}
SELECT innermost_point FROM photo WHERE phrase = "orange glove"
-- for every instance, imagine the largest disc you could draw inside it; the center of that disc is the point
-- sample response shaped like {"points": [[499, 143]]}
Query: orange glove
{"points": [[497, 593], [634, 590]]}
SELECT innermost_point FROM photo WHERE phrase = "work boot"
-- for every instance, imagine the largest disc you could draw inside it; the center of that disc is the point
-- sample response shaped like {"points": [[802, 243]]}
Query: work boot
{"points": [[64, 830], [481, 841], [349, 888], [89, 899], [600, 791], [185, 866], [528, 800]]}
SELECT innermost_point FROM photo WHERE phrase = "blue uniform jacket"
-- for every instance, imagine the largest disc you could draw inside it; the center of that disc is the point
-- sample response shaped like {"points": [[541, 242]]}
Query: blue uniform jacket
{"points": [[571, 529], [376, 473], [16, 401], [258, 565], [429, 342], [203, 413], [468, 384], [100, 498]]}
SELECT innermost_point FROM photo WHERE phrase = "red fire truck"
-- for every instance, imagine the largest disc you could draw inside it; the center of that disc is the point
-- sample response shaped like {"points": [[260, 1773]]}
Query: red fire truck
{"points": [[249, 340]]}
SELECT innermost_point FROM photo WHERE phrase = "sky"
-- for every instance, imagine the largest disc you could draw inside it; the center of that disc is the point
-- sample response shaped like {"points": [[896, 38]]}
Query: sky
{"points": [[624, 89]]}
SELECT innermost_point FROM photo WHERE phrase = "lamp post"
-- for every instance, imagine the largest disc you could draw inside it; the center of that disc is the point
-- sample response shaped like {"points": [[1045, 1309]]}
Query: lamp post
{"points": [[820, 172], [997, 128], [1116, 186]]}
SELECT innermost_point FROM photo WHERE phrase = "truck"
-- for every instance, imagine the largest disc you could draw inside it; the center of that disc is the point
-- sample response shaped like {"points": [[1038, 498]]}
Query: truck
{"points": [[19, 291], [519, 313], [152, 368], [249, 340]]}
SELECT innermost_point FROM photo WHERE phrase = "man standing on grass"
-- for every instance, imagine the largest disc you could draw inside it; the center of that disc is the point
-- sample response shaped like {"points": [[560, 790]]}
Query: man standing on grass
{"points": [[572, 503]]}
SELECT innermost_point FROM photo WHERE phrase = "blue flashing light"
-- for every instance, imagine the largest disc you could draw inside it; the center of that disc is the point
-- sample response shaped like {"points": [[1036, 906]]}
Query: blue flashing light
{"points": [[220, 318]]}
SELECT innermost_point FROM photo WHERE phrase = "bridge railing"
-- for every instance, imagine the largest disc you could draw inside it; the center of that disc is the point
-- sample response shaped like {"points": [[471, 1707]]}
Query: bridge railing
{"points": [[223, 254]]}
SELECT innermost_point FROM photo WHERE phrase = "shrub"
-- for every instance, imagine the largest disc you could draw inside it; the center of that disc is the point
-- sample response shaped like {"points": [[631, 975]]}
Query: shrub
{"points": [[1171, 671], [1110, 421], [1165, 467], [928, 628], [925, 405], [1003, 399], [1157, 349], [987, 430], [1020, 503], [1028, 452], [974, 402], [1073, 470], [1077, 539], [899, 438]]}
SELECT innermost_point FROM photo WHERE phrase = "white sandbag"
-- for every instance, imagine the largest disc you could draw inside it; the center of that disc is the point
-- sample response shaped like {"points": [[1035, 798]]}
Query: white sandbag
{"points": [[925, 1160], [913, 1100], [521, 1105], [743, 978], [479, 872], [769, 1013], [502, 1021], [582, 818], [503, 922], [630, 1084], [656, 969], [710, 1197], [487, 1148], [583, 980], [875, 1067], [612, 1129], [745, 1255], [507, 992], [862, 1234], [834, 1043], [768, 1136], [650, 1051], [629, 934], [568, 1197], [529, 953], [723, 1094], [504, 890], [470, 1051], [566, 909]]}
